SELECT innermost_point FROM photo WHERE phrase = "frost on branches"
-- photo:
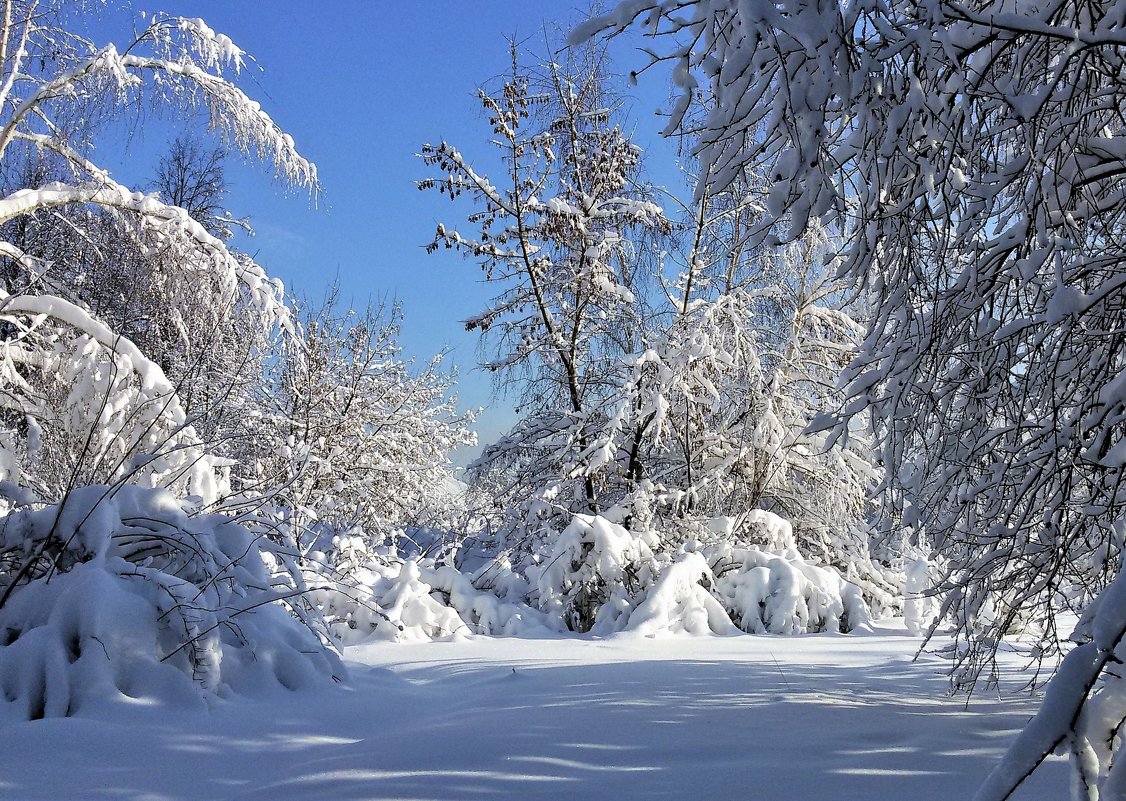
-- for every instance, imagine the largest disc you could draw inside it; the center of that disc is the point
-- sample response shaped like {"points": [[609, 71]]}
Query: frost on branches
{"points": [[354, 435], [132, 412], [555, 238]]}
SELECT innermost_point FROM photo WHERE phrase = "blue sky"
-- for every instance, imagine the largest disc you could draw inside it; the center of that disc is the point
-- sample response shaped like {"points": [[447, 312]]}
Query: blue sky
{"points": [[360, 86]]}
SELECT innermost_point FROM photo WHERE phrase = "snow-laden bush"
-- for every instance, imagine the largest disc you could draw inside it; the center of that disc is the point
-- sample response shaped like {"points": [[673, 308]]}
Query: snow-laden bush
{"points": [[484, 612], [769, 587], [593, 572], [680, 602], [593, 576], [117, 593], [380, 599], [784, 594], [599, 576], [367, 593]]}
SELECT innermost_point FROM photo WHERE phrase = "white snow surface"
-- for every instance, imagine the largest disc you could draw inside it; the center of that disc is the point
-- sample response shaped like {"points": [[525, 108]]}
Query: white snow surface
{"points": [[741, 717]]}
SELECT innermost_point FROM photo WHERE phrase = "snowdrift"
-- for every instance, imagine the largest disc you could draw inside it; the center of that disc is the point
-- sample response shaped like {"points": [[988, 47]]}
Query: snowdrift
{"points": [[119, 595]]}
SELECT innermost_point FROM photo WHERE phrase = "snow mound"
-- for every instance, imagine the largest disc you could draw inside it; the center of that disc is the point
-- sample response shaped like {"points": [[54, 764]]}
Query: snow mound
{"points": [[121, 595]]}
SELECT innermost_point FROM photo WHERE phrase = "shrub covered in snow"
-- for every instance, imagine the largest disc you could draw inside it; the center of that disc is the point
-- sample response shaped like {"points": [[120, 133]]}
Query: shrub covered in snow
{"points": [[118, 593], [769, 587], [681, 601], [717, 577], [367, 593], [485, 612], [364, 594], [593, 576], [592, 573], [600, 577]]}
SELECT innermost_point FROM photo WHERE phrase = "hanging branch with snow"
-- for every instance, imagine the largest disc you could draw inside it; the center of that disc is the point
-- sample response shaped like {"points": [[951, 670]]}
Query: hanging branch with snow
{"points": [[973, 155], [87, 413], [45, 73]]}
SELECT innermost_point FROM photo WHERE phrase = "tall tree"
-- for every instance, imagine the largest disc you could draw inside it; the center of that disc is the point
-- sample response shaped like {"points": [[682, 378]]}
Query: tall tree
{"points": [[193, 177], [87, 414]]}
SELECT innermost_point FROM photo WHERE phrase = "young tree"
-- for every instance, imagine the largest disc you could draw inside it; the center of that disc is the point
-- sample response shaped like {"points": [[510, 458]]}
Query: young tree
{"points": [[556, 238], [356, 436]]}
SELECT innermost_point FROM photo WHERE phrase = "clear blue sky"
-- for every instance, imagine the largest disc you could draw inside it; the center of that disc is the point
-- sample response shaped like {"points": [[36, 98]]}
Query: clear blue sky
{"points": [[360, 86]]}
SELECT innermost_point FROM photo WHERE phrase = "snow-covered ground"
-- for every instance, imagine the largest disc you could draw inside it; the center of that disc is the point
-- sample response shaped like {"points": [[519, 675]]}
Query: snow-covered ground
{"points": [[746, 717]]}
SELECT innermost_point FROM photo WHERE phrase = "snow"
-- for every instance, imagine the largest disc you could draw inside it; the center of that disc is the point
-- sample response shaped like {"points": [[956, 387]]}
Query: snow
{"points": [[825, 716], [169, 653], [918, 608], [678, 604]]}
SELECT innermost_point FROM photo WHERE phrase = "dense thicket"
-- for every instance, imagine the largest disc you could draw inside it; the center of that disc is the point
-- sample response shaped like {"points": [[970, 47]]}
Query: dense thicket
{"points": [[222, 486], [666, 366]]}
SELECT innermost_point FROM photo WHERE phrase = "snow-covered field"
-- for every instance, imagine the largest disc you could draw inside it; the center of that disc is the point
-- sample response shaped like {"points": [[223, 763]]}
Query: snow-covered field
{"points": [[746, 717]]}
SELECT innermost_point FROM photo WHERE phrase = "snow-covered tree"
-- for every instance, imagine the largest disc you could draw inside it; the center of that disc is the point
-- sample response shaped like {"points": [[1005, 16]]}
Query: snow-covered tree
{"points": [[87, 412], [712, 416], [668, 400], [125, 409], [809, 323], [354, 434], [129, 280], [972, 153], [555, 236]]}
